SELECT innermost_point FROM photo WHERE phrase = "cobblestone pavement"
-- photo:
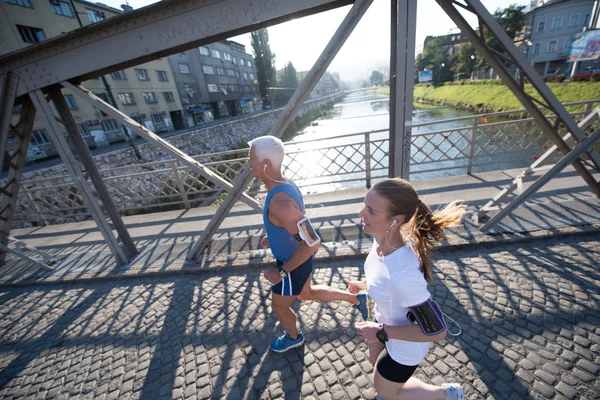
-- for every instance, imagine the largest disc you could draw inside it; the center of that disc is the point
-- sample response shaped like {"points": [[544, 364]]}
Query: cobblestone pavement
{"points": [[529, 315]]}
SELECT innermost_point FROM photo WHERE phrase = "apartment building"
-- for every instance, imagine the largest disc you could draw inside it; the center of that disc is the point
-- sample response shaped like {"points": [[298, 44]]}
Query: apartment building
{"points": [[452, 42], [549, 32], [147, 92], [216, 81], [329, 83]]}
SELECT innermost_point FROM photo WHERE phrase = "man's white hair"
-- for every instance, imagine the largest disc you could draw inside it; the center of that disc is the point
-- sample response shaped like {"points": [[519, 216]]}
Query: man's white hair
{"points": [[268, 148]]}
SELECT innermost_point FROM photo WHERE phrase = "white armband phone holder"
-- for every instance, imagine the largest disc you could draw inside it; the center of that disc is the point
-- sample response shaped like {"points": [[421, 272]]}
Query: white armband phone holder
{"points": [[307, 233]]}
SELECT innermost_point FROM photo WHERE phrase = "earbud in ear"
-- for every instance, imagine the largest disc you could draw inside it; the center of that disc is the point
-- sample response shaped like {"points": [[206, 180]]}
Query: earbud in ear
{"points": [[395, 221]]}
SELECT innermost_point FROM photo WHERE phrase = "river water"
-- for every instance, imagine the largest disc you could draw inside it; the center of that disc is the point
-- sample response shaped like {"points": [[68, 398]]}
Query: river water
{"points": [[363, 112]]}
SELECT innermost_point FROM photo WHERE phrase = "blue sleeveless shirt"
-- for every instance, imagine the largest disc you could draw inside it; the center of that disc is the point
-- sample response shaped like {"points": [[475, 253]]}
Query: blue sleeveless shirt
{"points": [[282, 243]]}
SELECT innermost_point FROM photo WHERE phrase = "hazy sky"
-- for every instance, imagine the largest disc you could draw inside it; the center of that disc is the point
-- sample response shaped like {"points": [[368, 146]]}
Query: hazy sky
{"points": [[301, 41]]}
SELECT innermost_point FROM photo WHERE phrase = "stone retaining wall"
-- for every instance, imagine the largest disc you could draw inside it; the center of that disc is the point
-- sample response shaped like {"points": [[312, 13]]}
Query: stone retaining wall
{"points": [[217, 138]]}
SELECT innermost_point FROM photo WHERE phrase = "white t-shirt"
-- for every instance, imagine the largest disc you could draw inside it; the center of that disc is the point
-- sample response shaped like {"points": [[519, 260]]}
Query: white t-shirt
{"points": [[394, 283]]}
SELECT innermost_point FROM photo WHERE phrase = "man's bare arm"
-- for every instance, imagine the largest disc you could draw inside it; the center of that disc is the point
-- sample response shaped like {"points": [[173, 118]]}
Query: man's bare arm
{"points": [[284, 212]]}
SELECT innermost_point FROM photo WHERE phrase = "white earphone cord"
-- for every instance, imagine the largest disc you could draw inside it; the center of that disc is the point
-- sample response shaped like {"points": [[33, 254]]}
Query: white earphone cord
{"points": [[456, 323], [274, 180], [386, 233]]}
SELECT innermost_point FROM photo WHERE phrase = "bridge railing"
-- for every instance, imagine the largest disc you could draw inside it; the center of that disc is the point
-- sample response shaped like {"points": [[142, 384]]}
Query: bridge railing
{"points": [[440, 148]]}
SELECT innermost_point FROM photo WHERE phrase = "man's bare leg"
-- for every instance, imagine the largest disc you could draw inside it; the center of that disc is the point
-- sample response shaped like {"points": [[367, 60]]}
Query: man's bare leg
{"points": [[325, 293], [287, 317]]}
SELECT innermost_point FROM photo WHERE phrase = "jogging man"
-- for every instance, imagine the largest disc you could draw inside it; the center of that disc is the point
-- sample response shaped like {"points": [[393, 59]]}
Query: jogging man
{"points": [[293, 242]]}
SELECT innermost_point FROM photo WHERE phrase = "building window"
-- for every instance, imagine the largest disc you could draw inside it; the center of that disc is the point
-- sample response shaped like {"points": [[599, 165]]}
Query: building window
{"points": [[541, 26], [162, 76], [39, 137], [212, 88], [557, 23], [215, 53], [536, 48], [61, 8], [226, 56], [30, 34], [83, 130], [119, 75], [249, 63], [168, 97], [208, 70], [220, 71], [71, 102], [22, 3], [157, 118], [551, 46], [245, 75], [234, 59], [110, 125], [138, 118], [204, 51], [242, 62], [190, 90], [126, 98], [17, 109], [142, 75], [95, 16], [567, 45], [184, 68], [252, 76], [149, 97], [586, 20], [574, 20], [237, 74]]}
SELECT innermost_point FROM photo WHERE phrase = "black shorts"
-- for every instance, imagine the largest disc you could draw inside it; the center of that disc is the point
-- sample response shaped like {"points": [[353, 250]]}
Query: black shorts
{"points": [[293, 284], [393, 371]]}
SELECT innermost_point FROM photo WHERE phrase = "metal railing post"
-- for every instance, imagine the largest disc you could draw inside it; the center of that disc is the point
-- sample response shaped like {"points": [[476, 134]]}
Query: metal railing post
{"points": [[368, 159], [34, 205], [472, 146], [179, 181]]}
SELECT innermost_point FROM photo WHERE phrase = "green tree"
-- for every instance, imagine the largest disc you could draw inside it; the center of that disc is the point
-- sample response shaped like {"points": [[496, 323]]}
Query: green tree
{"points": [[376, 78], [264, 59], [289, 78], [466, 59], [512, 20], [435, 58], [288, 82]]}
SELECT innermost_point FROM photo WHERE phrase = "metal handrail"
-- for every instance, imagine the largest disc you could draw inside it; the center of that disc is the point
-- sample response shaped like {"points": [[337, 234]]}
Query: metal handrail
{"points": [[144, 186]]}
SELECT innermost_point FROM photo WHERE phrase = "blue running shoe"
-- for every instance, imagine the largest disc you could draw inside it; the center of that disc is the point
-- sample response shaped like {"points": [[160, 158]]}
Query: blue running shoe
{"points": [[363, 305], [454, 391], [285, 342]]}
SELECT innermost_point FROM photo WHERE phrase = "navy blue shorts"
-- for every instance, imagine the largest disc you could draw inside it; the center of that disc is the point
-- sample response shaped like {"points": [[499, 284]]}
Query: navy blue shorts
{"points": [[293, 284]]}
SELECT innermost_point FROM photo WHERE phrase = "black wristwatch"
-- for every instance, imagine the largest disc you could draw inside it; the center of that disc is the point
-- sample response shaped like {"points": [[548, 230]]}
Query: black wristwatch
{"points": [[381, 335], [282, 272]]}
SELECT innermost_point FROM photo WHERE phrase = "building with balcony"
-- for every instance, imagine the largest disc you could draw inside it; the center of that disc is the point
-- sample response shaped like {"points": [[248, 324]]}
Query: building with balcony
{"points": [[216, 81], [147, 92], [549, 31]]}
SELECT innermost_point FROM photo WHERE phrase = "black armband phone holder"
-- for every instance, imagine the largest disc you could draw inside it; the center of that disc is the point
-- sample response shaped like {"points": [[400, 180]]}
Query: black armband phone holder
{"points": [[428, 316]]}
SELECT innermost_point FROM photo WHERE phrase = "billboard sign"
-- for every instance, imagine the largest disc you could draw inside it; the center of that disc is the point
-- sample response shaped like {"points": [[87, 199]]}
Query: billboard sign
{"points": [[585, 46], [425, 76]]}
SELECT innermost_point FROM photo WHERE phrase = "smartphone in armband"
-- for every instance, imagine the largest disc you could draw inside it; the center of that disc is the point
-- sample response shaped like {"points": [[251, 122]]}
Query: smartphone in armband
{"points": [[307, 232], [428, 316]]}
